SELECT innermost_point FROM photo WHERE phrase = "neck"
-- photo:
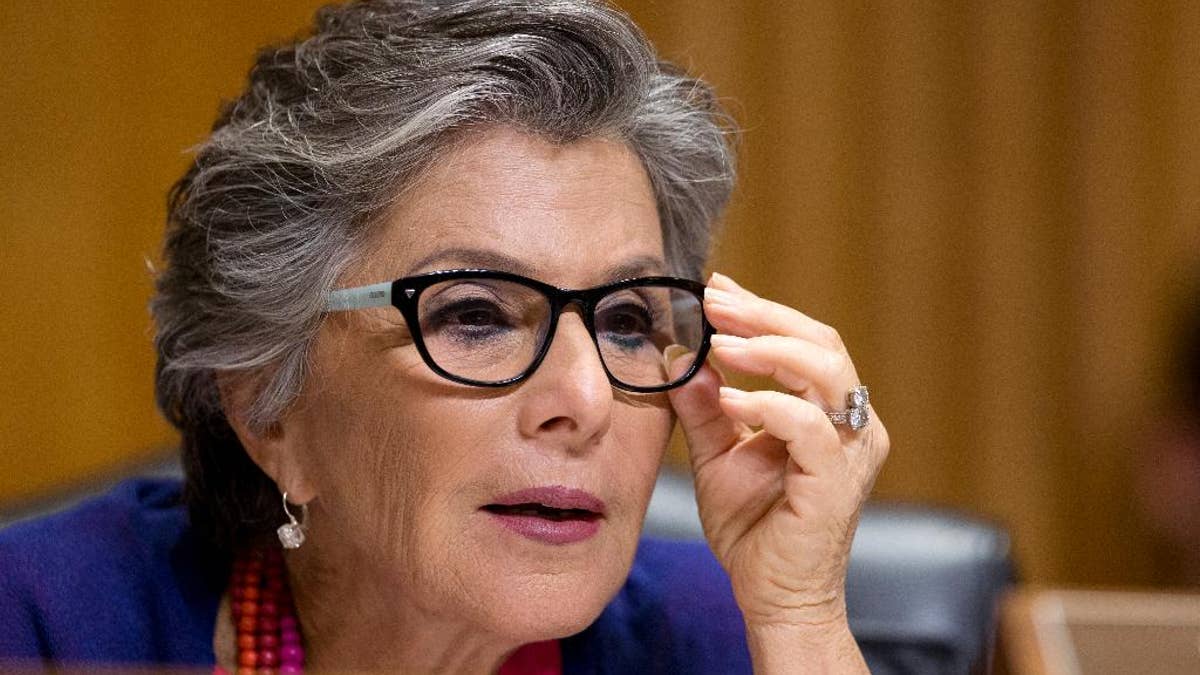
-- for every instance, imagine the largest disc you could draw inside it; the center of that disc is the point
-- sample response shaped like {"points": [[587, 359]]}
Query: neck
{"points": [[349, 624]]}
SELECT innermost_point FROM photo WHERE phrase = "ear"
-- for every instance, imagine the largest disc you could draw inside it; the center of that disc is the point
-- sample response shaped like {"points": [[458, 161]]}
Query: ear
{"points": [[275, 448]]}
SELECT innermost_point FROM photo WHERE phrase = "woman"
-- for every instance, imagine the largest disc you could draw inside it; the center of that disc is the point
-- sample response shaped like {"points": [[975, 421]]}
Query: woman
{"points": [[428, 316]]}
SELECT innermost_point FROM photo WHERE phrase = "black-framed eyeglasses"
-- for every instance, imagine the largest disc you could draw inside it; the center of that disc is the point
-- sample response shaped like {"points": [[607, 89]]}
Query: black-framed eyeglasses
{"points": [[492, 329]]}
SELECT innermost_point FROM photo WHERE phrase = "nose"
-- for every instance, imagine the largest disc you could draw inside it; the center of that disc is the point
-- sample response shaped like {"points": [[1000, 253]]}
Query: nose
{"points": [[568, 400]]}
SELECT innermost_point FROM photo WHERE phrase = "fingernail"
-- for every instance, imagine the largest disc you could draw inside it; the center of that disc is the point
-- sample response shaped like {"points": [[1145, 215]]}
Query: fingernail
{"points": [[733, 341], [718, 296], [732, 394], [726, 281]]}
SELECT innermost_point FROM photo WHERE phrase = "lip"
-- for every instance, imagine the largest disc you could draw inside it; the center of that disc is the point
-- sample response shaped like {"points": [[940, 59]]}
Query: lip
{"points": [[547, 530], [554, 496]]}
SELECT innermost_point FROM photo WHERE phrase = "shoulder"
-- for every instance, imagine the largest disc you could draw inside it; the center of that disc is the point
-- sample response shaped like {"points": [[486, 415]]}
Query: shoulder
{"points": [[115, 578], [130, 506], [676, 613]]}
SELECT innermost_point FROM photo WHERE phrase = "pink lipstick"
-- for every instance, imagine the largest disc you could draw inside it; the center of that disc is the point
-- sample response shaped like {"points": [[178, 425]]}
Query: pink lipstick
{"points": [[551, 515]]}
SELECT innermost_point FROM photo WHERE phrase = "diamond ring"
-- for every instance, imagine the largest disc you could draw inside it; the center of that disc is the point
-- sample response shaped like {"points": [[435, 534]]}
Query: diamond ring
{"points": [[858, 409]]}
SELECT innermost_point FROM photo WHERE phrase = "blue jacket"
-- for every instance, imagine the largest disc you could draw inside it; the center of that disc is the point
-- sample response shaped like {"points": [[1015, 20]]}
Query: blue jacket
{"points": [[122, 579]]}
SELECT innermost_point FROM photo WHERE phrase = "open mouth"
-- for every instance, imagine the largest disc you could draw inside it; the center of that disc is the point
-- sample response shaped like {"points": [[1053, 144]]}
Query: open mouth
{"points": [[534, 510], [549, 515]]}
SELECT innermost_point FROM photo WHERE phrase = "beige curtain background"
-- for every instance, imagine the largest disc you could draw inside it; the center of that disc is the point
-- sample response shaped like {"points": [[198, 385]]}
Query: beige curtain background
{"points": [[996, 203]]}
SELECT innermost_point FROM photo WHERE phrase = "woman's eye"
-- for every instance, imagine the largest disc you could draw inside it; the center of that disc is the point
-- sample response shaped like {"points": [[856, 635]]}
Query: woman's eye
{"points": [[476, 317], [628, 324], [467, 316]]}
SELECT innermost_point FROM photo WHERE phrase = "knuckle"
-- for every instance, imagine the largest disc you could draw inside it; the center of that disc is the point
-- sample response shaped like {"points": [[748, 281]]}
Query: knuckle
{"points": [[777, 314], [830, 336], [883, 443], [782, 406], [776, 400], [785, 314], [810, 417], [775, 344], [836, 363]]}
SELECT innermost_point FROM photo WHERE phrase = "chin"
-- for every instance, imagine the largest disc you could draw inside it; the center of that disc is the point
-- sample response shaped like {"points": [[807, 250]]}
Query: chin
{"points": [[552, 614], [529, 605]]}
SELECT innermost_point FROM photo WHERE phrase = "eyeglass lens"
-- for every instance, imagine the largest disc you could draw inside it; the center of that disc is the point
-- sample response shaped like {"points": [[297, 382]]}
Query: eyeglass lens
{"points": [[490, 330]]}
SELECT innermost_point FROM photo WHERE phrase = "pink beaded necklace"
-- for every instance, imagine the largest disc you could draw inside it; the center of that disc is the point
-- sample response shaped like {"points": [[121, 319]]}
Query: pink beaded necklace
{"points": [[268, 636]]}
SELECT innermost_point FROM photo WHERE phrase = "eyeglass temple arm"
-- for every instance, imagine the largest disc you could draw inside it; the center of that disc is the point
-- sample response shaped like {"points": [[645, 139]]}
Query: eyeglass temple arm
{"points": [[376, 295], [361, 297]]}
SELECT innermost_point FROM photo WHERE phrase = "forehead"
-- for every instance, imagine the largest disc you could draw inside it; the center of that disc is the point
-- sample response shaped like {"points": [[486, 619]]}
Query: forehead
{"points": [[574, 214]]}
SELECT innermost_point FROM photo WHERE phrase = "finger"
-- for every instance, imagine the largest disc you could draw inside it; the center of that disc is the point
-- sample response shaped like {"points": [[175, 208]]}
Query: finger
{"points": [[708, 430], [736, 311], [817, 373], [811, 440]]}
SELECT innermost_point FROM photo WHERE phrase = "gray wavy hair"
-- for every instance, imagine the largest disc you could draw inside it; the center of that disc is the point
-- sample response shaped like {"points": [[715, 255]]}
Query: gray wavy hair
{"points": [[329, 132]]}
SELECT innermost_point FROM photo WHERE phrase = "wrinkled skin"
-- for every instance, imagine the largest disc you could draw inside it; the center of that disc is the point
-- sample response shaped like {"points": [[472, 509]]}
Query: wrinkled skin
{"points": [[396, 462]]}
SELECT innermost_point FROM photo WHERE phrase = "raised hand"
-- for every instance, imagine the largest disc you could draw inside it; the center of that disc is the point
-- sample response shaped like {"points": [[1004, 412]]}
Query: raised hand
{"points": [[779, 505]]}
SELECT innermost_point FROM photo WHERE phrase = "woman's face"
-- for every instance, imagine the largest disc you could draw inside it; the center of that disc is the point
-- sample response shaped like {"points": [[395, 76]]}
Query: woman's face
{"points": [[407, 467]]}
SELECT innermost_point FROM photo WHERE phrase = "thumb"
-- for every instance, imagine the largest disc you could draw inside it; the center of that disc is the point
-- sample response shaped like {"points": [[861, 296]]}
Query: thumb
{"points": [[708, 430]]}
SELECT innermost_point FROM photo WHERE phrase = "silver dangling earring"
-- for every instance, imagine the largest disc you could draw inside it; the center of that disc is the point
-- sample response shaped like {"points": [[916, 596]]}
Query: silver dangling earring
{"points": [[291, 533]]}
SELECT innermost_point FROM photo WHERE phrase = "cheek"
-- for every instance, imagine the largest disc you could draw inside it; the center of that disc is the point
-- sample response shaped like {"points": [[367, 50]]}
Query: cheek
{"points": [[643, 433], [367, 472], [381, 461]]}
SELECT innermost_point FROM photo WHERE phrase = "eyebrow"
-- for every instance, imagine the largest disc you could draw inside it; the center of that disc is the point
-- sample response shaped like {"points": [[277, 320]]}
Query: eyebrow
{"points": [[644, 265]]}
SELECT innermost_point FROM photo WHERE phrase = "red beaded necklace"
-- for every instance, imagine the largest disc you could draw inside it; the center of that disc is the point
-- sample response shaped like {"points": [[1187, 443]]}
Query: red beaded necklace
{"points": [[268, 636]]}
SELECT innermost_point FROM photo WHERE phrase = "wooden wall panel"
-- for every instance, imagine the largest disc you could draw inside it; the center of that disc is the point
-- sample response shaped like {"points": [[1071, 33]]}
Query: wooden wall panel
{"points": [[99, 102], [995, 203]]}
